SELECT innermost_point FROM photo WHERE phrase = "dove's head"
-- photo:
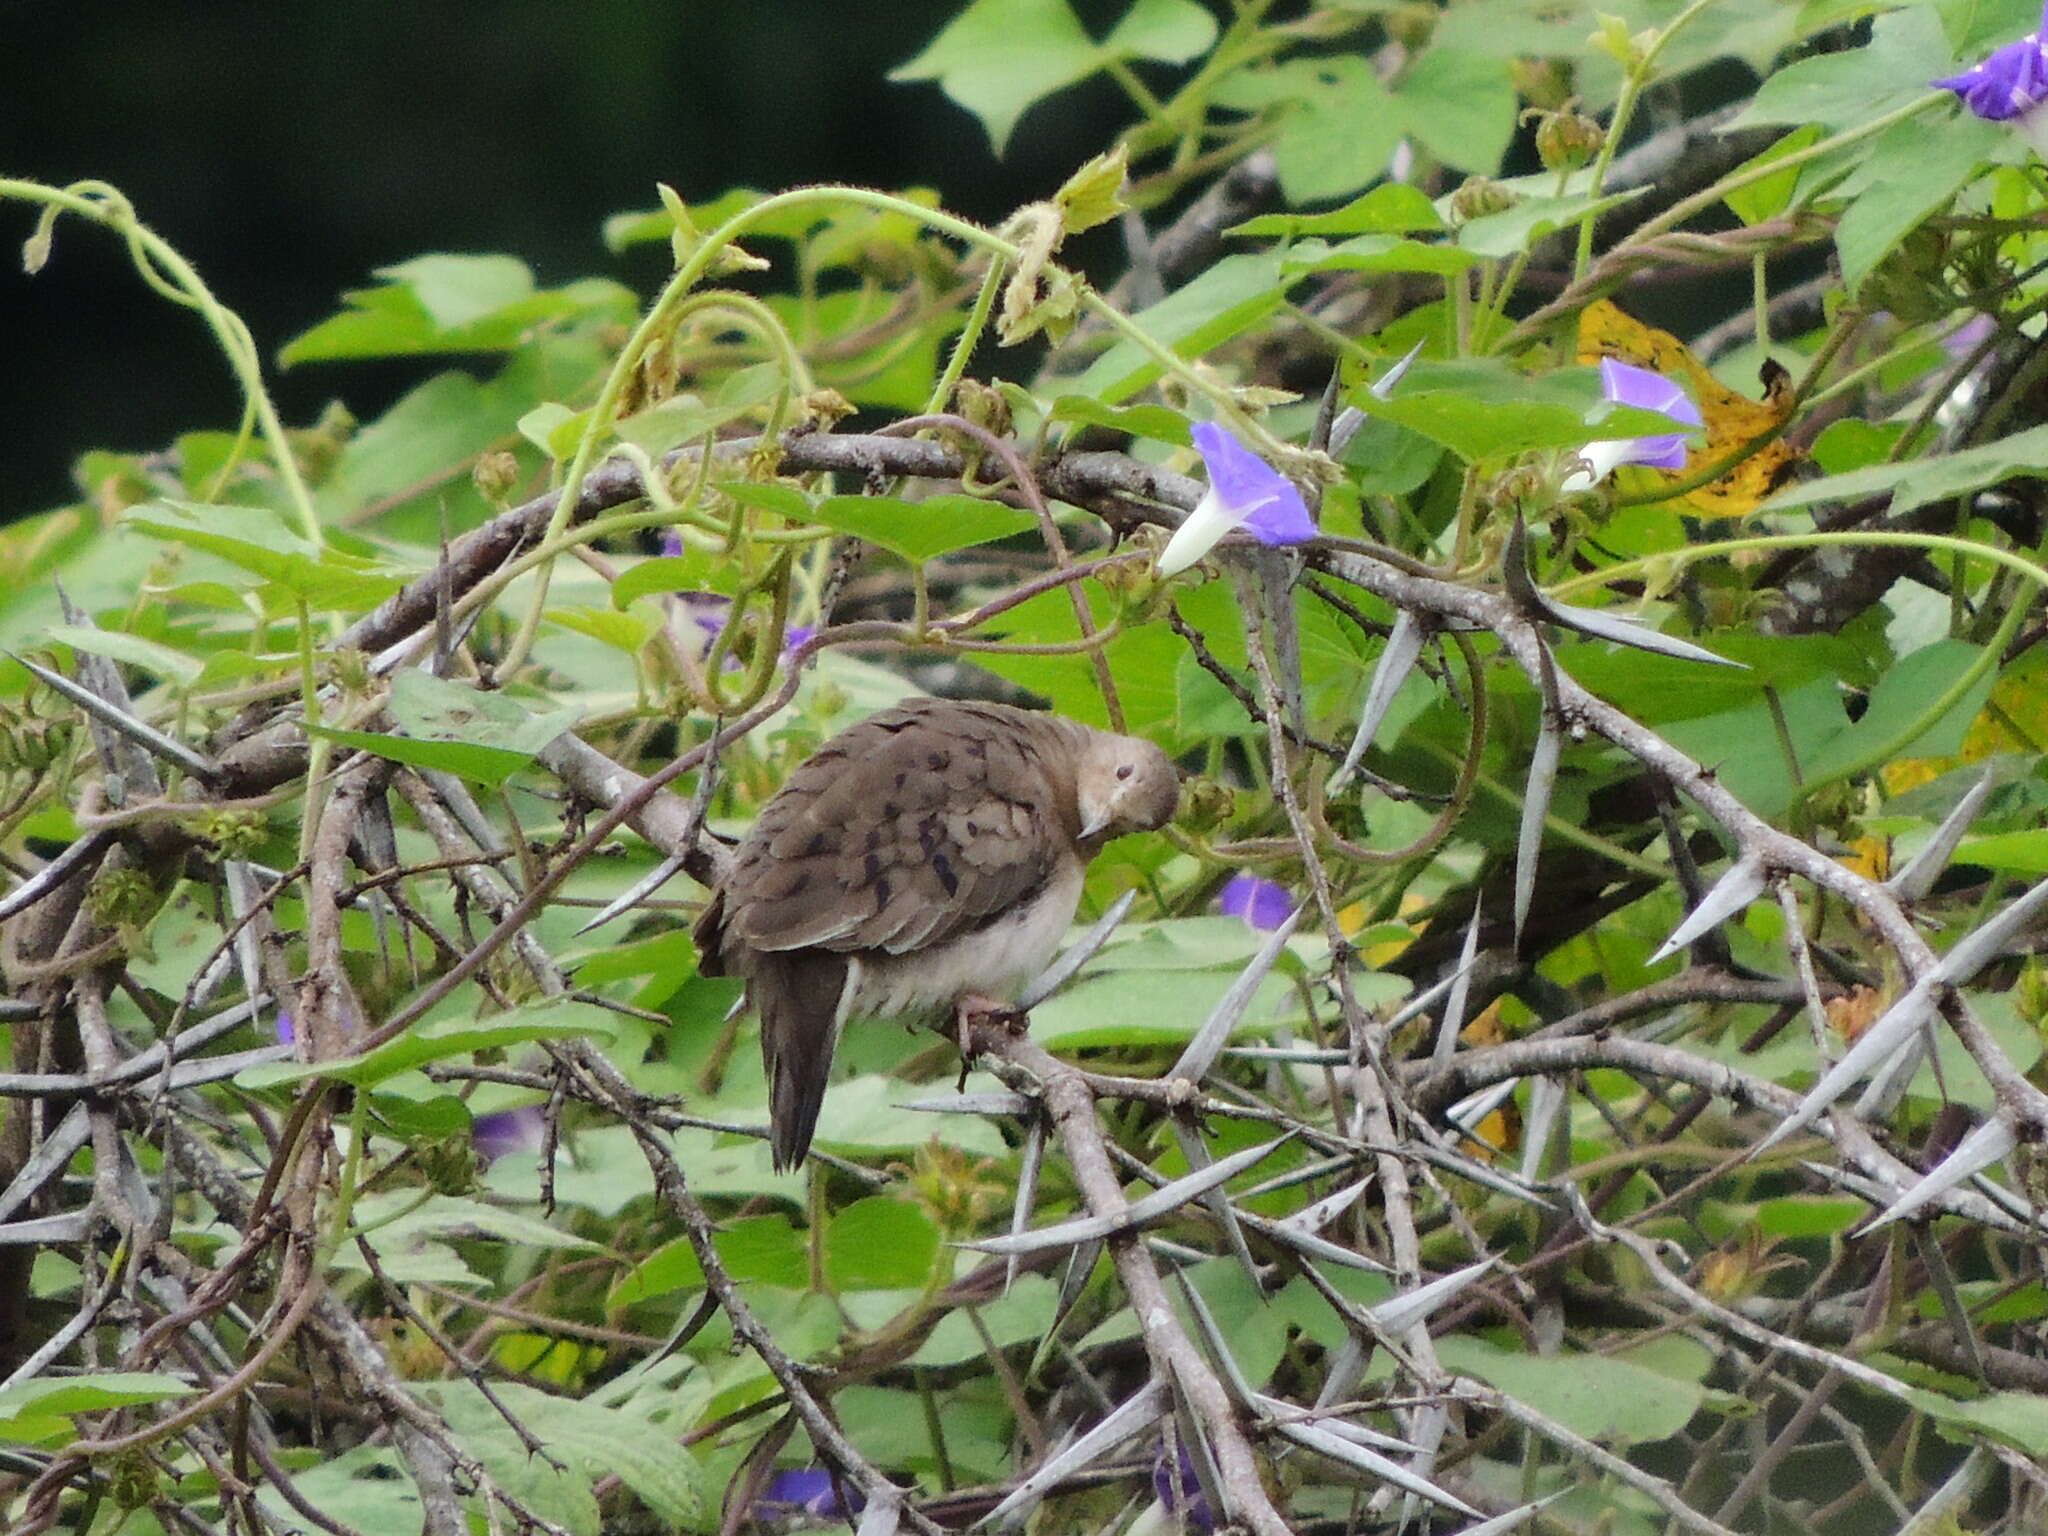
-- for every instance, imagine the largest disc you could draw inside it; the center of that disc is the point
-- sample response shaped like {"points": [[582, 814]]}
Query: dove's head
{"points": [[1124, 785]]}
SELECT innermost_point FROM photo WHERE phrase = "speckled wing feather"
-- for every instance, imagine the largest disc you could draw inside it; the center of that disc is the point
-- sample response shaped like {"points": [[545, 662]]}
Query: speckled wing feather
{"points": [[917, 825]]}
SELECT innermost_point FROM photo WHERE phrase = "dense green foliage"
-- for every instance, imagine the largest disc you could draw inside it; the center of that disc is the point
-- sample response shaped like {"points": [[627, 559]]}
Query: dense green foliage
{"points": [[456, 1214]]}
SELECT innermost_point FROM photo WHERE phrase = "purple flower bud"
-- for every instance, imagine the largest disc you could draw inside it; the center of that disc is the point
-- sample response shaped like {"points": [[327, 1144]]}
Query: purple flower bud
{"points": [[808, 1491], [672, 543], [1260, 903], [2009, 85], [1244, 492], [287, 1032], [1624, 384], [508, 1130], [1182, 1495]]}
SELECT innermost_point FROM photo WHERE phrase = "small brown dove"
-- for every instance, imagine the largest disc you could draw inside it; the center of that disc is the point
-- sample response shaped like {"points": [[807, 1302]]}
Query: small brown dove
{"points": [[924, 862]]}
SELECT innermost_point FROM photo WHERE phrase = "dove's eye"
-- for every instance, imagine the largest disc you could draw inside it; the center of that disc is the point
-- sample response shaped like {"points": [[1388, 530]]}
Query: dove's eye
{"points": [[1124, 772]]}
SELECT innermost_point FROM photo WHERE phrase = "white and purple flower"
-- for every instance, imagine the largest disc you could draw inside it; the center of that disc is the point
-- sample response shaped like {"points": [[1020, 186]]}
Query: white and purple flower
{"points": [[1623, 384], [1244, 492], [507, 1131], [2009, 86]]}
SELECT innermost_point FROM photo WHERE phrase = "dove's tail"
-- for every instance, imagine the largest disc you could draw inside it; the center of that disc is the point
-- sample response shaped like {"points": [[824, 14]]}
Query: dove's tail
{"points": [[801, 995]]}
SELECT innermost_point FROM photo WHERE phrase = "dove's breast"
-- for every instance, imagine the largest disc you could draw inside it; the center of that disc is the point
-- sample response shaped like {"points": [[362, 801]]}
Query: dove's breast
{"points": [[993, 961]]}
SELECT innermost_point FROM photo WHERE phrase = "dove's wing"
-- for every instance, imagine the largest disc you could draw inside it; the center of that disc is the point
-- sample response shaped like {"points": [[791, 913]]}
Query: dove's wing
{"points": [[919, 825], [914, 827]]}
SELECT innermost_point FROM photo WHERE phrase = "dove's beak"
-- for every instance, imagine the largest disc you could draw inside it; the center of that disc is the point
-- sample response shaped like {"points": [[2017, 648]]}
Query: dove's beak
{"points": [[1097, 824]]}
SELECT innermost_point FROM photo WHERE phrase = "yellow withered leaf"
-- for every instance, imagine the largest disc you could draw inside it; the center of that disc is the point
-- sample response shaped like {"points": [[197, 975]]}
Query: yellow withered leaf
{"points": [[1733, 420]]}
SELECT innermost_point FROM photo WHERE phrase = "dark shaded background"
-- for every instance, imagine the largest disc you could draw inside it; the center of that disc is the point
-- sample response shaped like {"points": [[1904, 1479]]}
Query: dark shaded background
{"points": [[289, 149]]}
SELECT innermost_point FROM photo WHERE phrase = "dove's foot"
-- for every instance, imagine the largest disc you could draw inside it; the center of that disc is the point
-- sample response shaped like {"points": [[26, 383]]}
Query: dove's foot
{"points": [[972, 1012]]}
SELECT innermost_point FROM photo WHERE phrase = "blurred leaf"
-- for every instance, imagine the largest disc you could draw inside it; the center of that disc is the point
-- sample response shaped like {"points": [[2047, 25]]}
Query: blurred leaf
{"points": [[878, 1244], [1600, 1397], [1392, 209], [448, 303], [1338, 125], [922, 530], [257, 540], [1916, 482], [998, 57], [436, 1039]]}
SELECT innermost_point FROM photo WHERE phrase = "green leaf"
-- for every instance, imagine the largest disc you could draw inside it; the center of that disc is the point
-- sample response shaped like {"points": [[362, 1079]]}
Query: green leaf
{"points": [[46, 1395], [1858, 85], [1338, 125], [172, 665], [921, 530], [626, 632], [998, 57], [2017, 1419], [447, 303], [764, 1250], [2016, 853], [1378, 253], [366, 1488], [1460, 106], [257, 540], [1228, 299], [1482, 408], [1743, 750], [554, 429], [452, 726], [878, 1244], [483, 765], [1600, 1397], [1023, 1314], [551, 1486], [1768, 198], [1392, 209], [1153, 1008], [1900, 700], [1916, 482], [1906, 174], [1160, 423], [1538, 214], [452, 1034]]}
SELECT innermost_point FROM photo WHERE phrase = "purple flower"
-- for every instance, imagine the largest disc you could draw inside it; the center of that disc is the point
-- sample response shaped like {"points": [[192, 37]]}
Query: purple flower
{"points": [[2008, 86], [287, 1032], [709, 611], [1244, 492], [508, 1130], [1622, 384], [807, 1491], [1968, 337], [1260, 903], [1182, 1495], [672, 543]]}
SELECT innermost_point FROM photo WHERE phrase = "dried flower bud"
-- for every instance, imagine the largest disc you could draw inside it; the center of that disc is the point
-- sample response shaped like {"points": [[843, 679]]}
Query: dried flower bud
{"points": [[1478, 197], [448, 1164], [233, 834], [496, 475], [122, 898], [956, 1190], [1567, 139], [1205, 804], [824, 409], [983, 405], [132, 1481]]}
